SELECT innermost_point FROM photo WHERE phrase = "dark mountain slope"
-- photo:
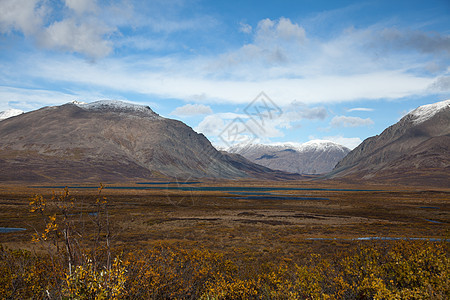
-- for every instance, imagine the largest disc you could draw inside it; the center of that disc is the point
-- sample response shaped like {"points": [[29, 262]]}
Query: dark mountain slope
{"points": [[414, 150], [106, 140]]}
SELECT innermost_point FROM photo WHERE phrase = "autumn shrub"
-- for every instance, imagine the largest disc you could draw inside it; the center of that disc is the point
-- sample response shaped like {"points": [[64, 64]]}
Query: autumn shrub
{"points": [[24, 275], [88, 282], [402, 270]]}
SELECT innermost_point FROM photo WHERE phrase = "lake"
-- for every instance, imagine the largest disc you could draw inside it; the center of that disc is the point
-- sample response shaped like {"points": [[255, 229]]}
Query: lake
{"points": [[380, 238], [165, 186], [9, 229]]}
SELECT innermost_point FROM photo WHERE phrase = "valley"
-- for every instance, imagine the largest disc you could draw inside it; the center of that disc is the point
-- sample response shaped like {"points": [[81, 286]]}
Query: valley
{"points": [[252, 217]]}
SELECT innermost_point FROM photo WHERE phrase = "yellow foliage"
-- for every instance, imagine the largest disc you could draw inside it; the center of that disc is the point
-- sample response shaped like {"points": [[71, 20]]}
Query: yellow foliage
{"points": [[88, 283], [404, 270]]}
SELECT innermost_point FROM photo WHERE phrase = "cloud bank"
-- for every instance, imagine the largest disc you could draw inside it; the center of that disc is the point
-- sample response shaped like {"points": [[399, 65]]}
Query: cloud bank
{"points": [[80, 30]]}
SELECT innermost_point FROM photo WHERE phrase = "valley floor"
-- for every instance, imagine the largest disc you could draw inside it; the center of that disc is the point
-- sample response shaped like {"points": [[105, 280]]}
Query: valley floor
{"points": [[315, 217]]}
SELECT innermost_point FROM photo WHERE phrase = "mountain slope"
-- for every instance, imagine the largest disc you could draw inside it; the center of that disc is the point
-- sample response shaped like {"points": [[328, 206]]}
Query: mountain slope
{"points": [[313, 157], [109, 141], [414, 150]]}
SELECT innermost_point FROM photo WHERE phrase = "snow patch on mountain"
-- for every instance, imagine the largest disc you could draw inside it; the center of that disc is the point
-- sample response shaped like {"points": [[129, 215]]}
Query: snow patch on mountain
{"points": [[76, 102], [313, 157], [320, 145], [116, 106], [10, 113], [313, 145], [426, 112]]}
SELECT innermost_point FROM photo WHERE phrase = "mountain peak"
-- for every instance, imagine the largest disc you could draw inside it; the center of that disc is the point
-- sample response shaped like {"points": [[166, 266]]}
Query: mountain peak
{"points": [[116, 106], [10, 113], [426, 112], [322, 145], [313, 157], [413, 151]]}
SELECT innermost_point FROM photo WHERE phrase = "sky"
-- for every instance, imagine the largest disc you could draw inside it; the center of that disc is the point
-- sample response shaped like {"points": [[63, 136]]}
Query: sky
{"points": [[236, 71]]}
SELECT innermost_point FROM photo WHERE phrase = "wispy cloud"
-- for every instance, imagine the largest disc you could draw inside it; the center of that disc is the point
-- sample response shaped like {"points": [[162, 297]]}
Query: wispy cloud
{"points": [[441, 84], [360, 109], [28, 99], [192, 110], [345, 121], [350, 143], [177, 78], [245, 28]]}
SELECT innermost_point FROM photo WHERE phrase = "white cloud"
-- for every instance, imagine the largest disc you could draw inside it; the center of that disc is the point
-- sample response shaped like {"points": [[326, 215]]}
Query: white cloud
{"points": [[341, 69], [344, 121], [360, 109], [350, 143], [211, 125], [192, 110], [84, 34], [22, 15], [157, 78], [82, 6], [84, 38], [230, 128], [245, 28], [269, 31]]}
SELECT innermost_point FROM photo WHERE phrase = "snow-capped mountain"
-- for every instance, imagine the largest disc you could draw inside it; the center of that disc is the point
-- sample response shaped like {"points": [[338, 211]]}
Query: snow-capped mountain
{"points": [[313, 157], [112, 141], [426, 112], [10, 113], [415, 150], [117, 106]]}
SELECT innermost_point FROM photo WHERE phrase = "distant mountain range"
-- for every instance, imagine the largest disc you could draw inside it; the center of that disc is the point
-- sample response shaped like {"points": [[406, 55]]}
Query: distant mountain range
{"points": [[112, 141], [313, 157], [415, 150]]}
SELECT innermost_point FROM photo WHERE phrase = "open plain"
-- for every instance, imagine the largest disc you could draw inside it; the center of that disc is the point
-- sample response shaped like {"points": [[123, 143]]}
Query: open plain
{"points": [[251, 218]]}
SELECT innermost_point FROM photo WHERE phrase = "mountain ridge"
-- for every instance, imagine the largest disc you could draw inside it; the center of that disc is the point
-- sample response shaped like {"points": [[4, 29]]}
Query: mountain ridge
{"points": [[313, 157], [413, 150], [104, 140]]}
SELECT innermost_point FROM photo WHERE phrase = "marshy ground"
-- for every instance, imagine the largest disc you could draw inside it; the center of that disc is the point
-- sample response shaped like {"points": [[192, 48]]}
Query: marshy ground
{"points": [[243, 218]]}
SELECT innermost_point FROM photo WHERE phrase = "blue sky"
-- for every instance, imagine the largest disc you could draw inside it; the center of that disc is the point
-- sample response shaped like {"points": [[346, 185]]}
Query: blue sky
{"points": [[337, 70]]}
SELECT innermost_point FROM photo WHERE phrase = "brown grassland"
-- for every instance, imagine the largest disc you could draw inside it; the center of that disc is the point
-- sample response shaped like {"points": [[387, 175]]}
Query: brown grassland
{"points": [[173, 244]]}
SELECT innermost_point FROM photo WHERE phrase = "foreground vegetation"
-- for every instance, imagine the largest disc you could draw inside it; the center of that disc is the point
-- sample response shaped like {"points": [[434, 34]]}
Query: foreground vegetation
{"points": [[405, 270], [76, 260]]}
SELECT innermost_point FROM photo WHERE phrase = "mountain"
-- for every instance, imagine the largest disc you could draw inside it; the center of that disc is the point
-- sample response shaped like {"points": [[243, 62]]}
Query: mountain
{"points": [[415, 150], [10, 113], [313, 157], [111, 141]]}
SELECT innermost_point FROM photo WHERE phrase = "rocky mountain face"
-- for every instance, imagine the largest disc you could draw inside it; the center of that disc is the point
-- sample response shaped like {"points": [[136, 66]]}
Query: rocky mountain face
{"points": [[111, 141], [313, 157], [415, 150]]}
